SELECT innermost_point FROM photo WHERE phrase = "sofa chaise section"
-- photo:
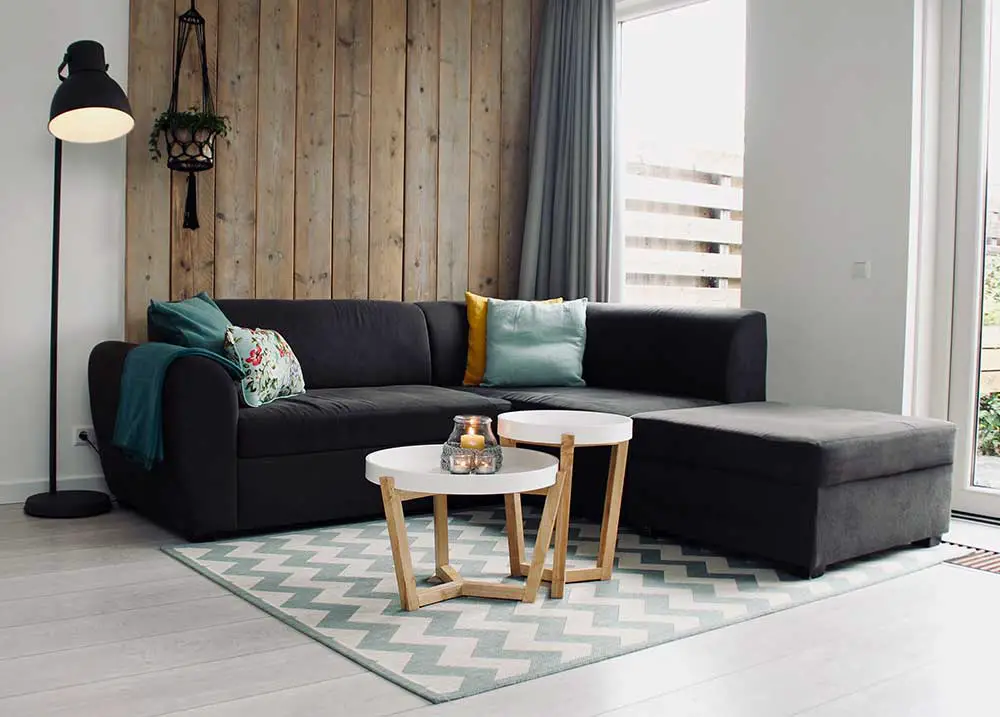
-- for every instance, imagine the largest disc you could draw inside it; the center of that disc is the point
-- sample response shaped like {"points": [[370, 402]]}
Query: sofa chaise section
{"points": [[803, 486]]}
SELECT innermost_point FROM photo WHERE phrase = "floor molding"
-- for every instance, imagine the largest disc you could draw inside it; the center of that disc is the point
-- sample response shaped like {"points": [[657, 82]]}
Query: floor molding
{"points": [[975, 517], [17, 491]]}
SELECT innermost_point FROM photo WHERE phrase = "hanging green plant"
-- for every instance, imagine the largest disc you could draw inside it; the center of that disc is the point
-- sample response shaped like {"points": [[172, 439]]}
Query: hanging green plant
{"points": [[180, 129], [189, 135]]}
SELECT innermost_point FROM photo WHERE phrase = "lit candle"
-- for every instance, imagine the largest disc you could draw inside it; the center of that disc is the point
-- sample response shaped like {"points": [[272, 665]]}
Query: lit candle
{"points": [[485, 463], [473, 442], [462, 463]]}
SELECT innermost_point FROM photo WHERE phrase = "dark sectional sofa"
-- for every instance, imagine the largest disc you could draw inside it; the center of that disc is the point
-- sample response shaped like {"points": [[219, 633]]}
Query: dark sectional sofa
{"points": [[381, 374], [710, 459]]}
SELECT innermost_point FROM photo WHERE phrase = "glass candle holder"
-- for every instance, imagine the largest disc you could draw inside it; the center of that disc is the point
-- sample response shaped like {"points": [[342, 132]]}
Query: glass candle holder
{"points": [[471, 447]]}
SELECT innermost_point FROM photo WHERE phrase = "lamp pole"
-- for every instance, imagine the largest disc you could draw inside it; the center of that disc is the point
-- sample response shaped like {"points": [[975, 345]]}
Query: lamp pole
{"points": [[54, 325]]}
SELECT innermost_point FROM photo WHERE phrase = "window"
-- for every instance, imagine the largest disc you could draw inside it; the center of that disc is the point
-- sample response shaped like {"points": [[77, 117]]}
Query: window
{"points": [[681, 109]]}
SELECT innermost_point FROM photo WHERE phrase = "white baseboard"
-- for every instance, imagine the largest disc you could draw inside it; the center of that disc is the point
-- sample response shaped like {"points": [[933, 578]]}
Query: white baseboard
{"points": [[17, 491]]}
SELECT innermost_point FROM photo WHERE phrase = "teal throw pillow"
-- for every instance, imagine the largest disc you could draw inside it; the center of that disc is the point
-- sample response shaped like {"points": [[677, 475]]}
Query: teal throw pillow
{"points": [[535, 344], [272, 371], [196, 322]]}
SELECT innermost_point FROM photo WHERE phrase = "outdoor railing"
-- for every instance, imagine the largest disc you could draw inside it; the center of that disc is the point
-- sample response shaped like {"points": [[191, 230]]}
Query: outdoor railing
{"points": [[683, 228]]}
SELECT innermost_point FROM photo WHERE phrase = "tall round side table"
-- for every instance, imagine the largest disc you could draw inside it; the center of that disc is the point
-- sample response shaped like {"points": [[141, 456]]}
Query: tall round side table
{"points": [[412, 472], [568, 430]]}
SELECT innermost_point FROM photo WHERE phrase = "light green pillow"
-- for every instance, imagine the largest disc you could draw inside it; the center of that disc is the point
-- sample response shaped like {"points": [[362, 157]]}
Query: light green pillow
{"points": [[533, 344], [272, 370], [196, 323]]}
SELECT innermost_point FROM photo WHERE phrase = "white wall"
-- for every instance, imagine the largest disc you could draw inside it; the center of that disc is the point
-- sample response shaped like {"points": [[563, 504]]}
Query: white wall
{"points": [[32, 43], [829, 153]]}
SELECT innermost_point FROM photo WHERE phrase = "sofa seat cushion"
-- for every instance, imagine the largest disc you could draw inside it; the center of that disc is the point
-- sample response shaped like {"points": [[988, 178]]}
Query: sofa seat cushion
{"points": [[587, 398], [349, 418], [794, 444]]}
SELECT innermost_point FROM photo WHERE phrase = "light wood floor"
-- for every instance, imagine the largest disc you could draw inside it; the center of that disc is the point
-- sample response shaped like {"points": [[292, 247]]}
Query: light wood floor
{"points": [[94, 620]]}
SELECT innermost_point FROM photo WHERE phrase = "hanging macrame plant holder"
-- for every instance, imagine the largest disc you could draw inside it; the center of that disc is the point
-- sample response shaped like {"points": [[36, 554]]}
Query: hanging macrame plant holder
{"points": [[190, 149]]}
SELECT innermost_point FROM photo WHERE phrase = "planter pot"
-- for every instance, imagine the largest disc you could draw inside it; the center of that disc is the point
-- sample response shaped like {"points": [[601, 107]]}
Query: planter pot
{"points": [[189, 151]]}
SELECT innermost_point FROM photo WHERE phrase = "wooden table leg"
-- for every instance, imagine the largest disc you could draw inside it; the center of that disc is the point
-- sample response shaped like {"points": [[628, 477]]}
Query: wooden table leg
{"points": [[566, 452], [553, 504], [401, 559], [612, 509], [441, 560], [515, 532], [515, 524]]}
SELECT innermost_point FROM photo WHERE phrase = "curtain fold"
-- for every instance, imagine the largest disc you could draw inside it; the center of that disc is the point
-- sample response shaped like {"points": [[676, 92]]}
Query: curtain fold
{"points": [[567, 241]]}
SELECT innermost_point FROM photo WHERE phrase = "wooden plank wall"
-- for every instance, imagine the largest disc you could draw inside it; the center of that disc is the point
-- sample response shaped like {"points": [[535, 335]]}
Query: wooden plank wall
{"points": [[379, 149]]}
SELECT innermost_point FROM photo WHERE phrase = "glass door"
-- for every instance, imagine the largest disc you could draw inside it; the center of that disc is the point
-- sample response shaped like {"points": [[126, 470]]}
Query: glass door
{"points": [[974, 398]]}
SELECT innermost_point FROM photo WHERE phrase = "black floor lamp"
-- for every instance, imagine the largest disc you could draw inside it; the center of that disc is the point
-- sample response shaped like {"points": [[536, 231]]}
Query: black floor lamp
{"points": [[88, 107]]}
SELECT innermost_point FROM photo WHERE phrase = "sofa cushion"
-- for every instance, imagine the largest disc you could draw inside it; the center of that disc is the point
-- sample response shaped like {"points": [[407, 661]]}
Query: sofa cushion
{"points": [[272, 371], [794, 444], [347, 418], [477, 309], [345, 342], [586, 398], [196, 322], [531, 343]]}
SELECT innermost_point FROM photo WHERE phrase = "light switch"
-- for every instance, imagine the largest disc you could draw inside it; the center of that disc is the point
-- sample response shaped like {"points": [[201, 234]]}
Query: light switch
{"points": [[861, 270]]}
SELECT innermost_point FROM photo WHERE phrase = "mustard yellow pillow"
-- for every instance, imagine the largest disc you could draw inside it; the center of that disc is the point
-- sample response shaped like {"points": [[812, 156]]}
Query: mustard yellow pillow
{"points": [[475, 362]]}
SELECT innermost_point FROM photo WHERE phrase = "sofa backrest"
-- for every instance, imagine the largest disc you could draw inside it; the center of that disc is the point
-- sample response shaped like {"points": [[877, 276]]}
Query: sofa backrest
{"points": [[715, 354], [448, 331], [344, 342]]}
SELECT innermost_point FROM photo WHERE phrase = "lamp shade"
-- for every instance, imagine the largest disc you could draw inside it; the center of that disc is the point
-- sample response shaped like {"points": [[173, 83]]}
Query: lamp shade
{"points": [[89, 106]]}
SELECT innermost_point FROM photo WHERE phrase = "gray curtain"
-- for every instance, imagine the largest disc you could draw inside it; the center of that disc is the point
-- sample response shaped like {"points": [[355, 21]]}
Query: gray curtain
{"points": [[568, 221]]}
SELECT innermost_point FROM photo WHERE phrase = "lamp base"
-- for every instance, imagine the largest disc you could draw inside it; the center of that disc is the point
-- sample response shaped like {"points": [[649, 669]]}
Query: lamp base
{"points": [[68, 504]]}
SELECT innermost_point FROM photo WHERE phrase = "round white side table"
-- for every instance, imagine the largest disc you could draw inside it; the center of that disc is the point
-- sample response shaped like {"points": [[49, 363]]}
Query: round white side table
{"points": [[568, 430], [412, 472]]}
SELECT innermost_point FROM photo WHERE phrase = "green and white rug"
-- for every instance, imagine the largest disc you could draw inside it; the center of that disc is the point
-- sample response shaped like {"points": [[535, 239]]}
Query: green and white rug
{"points": [[337, 585]]}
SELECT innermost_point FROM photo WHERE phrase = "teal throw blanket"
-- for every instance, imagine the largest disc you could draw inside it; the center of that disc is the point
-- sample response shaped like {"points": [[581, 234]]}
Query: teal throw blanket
{"points": [[139, 423]]}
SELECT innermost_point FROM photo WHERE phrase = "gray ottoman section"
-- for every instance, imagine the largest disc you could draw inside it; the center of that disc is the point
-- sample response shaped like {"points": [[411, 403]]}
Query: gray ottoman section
{"points": [[803, 486]]}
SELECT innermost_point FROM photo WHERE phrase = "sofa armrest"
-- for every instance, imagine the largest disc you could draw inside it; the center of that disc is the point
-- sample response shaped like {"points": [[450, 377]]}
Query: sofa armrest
{"points": [[194, 490], [714, 354], [104, 375]]}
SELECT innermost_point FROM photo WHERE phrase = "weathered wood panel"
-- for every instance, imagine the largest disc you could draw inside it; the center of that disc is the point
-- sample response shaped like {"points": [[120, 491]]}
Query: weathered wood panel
{"points": [[453, 152], [314, 150], [515, 107], [236, 161], [192, 251], [352, 140], [276, 150], [378, 148], [484, 160], [389, 63], [420, 258], [147, 198]]}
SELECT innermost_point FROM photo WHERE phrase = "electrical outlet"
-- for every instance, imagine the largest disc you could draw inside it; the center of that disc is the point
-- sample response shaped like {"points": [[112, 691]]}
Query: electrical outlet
{"points": [[81, 434]]}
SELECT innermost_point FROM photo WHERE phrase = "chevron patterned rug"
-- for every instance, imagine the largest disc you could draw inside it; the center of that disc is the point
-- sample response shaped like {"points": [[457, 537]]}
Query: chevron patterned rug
{"points": [[337, 585]]}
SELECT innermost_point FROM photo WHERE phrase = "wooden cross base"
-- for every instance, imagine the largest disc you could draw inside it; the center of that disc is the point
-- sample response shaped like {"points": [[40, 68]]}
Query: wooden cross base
{"points": [[452, 584], [558, 575]]}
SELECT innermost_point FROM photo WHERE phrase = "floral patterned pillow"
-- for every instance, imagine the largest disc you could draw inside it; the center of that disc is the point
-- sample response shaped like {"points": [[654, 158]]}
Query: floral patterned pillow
{"points": [[272, 371]]}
